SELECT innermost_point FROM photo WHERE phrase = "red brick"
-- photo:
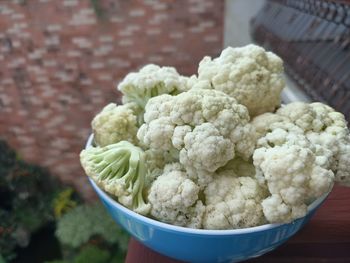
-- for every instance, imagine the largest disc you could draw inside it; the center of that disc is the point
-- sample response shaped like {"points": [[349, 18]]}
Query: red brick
{"points": [[60, 63]]}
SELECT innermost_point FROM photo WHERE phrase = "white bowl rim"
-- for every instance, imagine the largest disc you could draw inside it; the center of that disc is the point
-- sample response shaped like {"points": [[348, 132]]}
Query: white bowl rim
{"points": [[187, 230]]}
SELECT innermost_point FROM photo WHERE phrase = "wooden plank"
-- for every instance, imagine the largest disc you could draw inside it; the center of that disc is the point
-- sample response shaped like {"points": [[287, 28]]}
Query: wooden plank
{"points": [[138, 253]]}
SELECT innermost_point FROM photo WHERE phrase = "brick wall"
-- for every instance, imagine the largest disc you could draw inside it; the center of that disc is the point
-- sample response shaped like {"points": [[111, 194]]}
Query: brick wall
{"points": [[60, 61]]}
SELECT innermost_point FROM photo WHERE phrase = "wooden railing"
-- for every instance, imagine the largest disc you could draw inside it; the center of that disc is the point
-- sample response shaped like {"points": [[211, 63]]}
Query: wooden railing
{"points": [[313, 38]]}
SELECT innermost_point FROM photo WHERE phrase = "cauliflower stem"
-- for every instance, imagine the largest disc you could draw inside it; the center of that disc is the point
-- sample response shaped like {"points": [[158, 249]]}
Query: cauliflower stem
{"points": [[120, 170]]}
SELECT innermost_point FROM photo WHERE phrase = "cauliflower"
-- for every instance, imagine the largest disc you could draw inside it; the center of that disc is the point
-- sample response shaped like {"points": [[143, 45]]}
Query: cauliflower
{"points": [[249, 74], [327, 130], [286, 161], [203, 163], [120, 170], [150, 81], [240, 167], [207, 127], [217, 149], [175, 198], [314, 117], [233, 202], [113, 124], [263, 123], [156, 160], [137, 111]]}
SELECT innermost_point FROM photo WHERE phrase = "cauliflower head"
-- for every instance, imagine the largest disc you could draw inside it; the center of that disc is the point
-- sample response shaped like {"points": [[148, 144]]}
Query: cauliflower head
{"points": [[207, 127], [233, 202], [175, 198], [150, 81], [315, 117], [120, 170], [249, 74], [113, 124], [327, 130], [287, 162]]}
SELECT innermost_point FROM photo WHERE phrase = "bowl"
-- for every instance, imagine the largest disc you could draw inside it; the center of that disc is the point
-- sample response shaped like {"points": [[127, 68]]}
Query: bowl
{"points": [[200, 245]]}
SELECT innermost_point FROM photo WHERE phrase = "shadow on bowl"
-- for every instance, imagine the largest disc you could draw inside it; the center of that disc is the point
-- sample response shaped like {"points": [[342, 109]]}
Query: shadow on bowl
{"points": [[200, 245]]}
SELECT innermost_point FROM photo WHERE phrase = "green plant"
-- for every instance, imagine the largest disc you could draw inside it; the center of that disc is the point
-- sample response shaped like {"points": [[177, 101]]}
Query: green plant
{"points": [[92, 254], [26, 195], [86, 222], [31, 199], [88, 232], [64, 202]]}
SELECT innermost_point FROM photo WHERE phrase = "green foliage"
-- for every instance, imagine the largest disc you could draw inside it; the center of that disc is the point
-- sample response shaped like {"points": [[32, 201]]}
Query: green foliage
{"points": [[26, 195], [7, 241], [85, 222], [30, 199], [89, 234], [64, 202], [92, 254], [118, 257]]}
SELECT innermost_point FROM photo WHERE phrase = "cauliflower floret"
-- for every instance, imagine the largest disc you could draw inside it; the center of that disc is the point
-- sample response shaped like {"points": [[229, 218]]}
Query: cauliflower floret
{"points": [[342, 175], [204, 151], [276, 210], [288, 164], [240, 167], [323, 146], [334, 145], [113, 124], [263, 122], [233, 202], [137, 111], [300, 113], [150, 81], [174, 198], [159, 138], [200, 159], [207, 127], [157, 159], [314, 117], [205, 148], [327, 130], [189, 82], [249, 74], [120, 170], [179, 136], [157, 107]]}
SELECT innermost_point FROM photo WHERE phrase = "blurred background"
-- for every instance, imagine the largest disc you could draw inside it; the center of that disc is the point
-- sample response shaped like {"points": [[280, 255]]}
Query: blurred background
{"points": [[60, 62]]}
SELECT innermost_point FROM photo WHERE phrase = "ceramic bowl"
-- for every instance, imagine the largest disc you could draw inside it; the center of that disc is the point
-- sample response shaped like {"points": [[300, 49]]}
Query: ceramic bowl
{"points": [[199, 245]]}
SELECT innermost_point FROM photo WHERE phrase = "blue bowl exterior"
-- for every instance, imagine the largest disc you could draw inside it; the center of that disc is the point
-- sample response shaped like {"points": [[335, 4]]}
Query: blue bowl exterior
{"points": [[203, 245]]}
